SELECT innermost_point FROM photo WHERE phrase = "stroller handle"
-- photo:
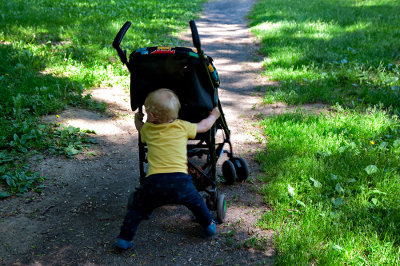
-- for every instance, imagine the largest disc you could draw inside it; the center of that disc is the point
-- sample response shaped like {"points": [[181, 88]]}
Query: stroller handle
{"points": [[118, 39], [195, 35]]}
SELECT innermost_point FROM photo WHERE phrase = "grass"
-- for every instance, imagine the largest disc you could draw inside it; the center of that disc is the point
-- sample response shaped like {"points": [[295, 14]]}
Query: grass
{"points": [[52, 53], [332, 179], [331, 51], [333, 183]]}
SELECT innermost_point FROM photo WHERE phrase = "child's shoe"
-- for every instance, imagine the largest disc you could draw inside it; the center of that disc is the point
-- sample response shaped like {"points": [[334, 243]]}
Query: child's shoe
{"points": [[211, 229], [123, 244]]}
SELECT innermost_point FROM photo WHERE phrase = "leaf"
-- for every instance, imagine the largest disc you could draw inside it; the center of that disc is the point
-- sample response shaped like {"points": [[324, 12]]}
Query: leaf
{"points": [[376, 191], [317, 184], [374, 201], [396, 143], [301, 203], [338, 202], [371, 169], [89, 131], [339, 188], [383, 146], [337, 247], [71, 150], [324, 153], [4, 195], [291, 190]]}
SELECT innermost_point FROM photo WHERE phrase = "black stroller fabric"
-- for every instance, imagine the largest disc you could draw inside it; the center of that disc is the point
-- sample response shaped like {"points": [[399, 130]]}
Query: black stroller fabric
{"points": [[178, 69]]}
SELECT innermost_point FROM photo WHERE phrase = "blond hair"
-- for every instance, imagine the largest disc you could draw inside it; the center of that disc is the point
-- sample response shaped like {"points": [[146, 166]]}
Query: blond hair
{"points": [[163, 104]]}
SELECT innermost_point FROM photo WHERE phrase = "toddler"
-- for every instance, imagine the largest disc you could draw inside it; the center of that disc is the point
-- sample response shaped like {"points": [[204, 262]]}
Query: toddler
{"points": [[167, 181]]}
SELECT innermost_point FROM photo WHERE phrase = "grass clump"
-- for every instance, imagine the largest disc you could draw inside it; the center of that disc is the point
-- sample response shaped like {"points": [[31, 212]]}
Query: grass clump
{"points": [[53, 53]]}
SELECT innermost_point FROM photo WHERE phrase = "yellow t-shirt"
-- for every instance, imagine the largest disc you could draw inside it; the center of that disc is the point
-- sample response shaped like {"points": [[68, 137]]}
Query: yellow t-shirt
{"points": [[167, 145]]}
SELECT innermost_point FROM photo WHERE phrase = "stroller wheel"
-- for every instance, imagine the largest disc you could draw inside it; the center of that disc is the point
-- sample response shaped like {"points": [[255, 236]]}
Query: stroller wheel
{"points": [[221, 208], [241, 167], [229, 172]]}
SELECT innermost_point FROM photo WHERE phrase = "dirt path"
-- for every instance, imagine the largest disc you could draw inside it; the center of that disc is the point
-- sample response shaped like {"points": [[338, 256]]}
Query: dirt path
{"points": [[75, 218]]}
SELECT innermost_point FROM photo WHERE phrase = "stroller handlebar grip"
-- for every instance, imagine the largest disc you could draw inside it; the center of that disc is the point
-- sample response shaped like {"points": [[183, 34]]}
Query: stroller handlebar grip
{"points": [[195, 35], [118, 39]]}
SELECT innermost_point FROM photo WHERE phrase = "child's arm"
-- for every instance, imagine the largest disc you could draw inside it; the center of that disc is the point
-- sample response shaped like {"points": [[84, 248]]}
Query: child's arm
{"points": [[139, 121], [205, 124]]}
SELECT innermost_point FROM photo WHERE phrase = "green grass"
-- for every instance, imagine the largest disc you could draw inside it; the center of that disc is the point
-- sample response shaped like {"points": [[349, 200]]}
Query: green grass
{"points": [[345, 51], [51, 52], [332, 180]]}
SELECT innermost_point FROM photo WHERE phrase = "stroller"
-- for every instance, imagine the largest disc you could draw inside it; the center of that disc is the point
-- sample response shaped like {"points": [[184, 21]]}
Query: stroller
{"points": [[193, 77]]}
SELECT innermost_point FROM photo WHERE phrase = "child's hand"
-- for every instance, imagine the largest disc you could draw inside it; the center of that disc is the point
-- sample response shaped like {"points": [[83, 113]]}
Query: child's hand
{"points": [[215, 112], [139, 117], [205, 124], [139, 121]]}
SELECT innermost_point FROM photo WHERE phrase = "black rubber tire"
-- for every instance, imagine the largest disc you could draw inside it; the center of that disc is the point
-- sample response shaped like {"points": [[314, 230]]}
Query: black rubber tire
{"points": [[221, 208], [229, 172], [241, 167]]}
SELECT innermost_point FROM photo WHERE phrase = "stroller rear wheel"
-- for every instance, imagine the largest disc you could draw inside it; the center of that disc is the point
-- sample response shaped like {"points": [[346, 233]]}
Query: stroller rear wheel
{"points": [[229, 172], [221, 208], [241, 167]]}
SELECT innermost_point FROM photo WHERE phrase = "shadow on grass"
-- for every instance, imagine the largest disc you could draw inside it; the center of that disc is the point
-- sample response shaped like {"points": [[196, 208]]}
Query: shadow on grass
{"points": [[87, 28], [329, 51]]}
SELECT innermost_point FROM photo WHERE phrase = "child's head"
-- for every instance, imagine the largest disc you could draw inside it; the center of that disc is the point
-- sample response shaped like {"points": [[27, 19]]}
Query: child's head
{"points": [[163, 104]]}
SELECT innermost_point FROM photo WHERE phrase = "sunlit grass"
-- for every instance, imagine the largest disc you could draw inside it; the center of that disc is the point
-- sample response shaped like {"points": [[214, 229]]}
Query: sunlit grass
{"points": [[54, 52], [333, 181], [331, 51]]}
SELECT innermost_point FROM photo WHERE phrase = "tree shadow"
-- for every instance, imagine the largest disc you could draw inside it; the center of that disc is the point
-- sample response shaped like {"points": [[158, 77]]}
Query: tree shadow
{"points": [[319, 49]]}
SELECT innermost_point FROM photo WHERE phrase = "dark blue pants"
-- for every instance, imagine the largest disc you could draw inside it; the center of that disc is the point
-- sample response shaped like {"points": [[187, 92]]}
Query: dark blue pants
{"points": [[163, 189]]}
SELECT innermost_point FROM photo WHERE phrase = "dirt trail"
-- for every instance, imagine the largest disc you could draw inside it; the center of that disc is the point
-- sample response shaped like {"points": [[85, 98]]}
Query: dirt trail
{"points": [[75, 218]]}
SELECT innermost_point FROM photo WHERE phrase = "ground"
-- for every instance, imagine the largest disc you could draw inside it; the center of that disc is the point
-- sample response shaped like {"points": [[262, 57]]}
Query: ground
{"points": [[75, 219]]}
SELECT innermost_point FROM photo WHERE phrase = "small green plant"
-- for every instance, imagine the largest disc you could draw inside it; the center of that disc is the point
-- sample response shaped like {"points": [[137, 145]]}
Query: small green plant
{"points": [[14, 171], [20, 181], [69, 141], [256, 242]]}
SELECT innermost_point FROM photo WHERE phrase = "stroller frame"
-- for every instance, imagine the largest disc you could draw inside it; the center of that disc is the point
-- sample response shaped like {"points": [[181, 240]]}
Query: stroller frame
{"points": [[204, 176]]}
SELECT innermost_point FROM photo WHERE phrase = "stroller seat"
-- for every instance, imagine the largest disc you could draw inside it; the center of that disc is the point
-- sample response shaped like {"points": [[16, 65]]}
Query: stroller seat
{"points": [[175, 68]]}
